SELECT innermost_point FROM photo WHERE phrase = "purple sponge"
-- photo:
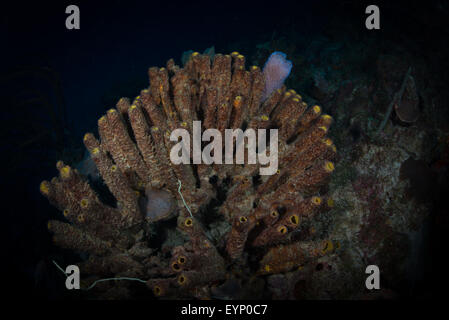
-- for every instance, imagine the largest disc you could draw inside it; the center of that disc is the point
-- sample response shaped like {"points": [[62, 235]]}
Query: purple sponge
{"points": [[276, 70]]}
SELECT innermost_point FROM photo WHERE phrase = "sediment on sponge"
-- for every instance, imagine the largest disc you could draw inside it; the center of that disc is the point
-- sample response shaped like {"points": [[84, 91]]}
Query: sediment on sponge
{"points": [[132, 157]]}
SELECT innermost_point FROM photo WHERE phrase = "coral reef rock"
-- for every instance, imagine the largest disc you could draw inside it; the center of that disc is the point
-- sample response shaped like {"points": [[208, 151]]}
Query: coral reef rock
{"points": [[152, 220]]}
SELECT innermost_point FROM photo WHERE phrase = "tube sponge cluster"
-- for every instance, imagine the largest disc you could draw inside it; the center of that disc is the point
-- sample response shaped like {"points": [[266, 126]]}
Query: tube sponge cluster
{"points": [[263, 213]]}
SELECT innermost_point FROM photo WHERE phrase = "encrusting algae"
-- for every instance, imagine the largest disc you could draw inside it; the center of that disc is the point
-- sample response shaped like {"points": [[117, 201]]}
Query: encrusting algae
{"points": [[132, 156]]}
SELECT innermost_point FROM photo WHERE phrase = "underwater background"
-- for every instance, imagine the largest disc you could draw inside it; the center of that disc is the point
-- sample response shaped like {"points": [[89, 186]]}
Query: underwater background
{"points": [[391, 175]]}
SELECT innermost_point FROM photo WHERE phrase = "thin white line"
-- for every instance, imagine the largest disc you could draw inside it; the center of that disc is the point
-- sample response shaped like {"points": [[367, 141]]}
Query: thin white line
{"points": [[62, 270], [101, 280], [108, 279], [179, 191]]}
